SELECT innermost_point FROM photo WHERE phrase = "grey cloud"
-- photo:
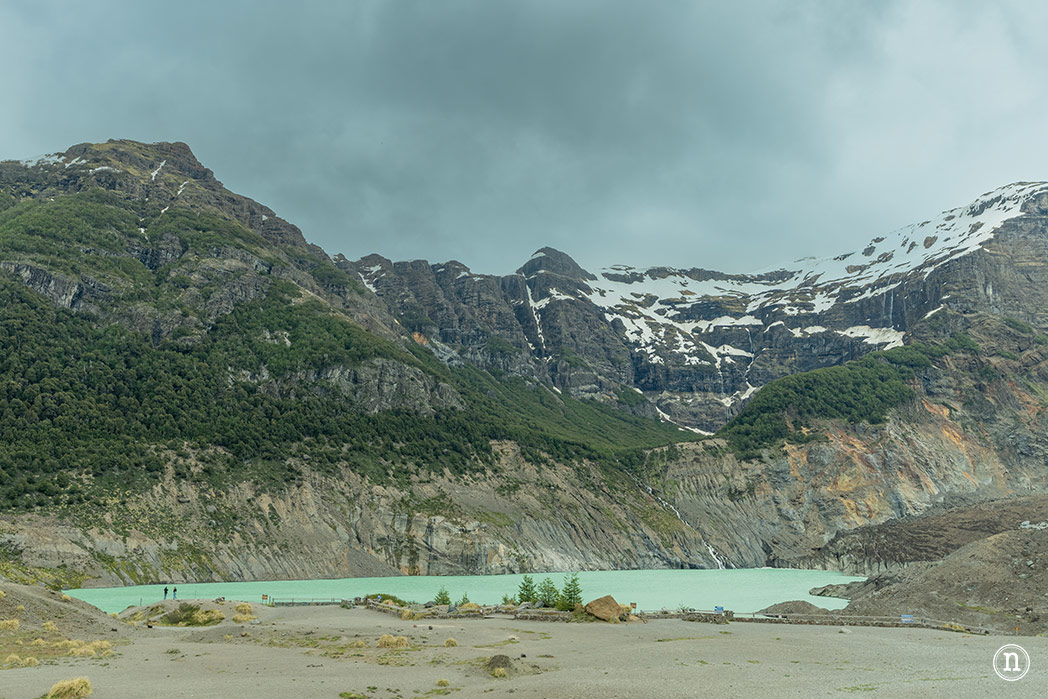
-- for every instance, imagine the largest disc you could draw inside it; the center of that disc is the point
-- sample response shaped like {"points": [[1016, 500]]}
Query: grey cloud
{"points": [[731, 136]]}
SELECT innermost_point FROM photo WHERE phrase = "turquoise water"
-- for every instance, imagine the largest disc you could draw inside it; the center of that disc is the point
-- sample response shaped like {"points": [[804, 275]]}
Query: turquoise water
{"points": [[745, 590]]}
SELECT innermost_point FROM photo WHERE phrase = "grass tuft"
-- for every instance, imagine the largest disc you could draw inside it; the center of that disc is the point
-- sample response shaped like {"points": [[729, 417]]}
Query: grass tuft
{"points": [[76, 688], [388, 641]]}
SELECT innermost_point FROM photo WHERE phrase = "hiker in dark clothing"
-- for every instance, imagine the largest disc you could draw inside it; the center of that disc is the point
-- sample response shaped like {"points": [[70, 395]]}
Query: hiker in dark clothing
{"points": [[165, 593], [174, 593]]}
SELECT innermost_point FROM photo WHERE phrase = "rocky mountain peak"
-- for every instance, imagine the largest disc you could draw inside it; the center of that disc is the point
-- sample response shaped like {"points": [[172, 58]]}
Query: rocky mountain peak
{"points": [[176, 157], [166, 174], [554, 261]]}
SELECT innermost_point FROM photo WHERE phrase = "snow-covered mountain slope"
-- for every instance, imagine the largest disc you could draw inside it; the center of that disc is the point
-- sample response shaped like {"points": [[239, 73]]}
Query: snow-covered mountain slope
{"points": [[654, 302], [697, 342]]}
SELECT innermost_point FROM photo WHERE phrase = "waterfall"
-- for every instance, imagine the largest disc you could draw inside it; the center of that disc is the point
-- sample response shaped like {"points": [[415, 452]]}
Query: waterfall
{"points": [[669, 506]]}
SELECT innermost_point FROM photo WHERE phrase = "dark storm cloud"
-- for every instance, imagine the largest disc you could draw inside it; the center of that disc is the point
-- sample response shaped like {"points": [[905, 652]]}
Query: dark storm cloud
{"points": [[731, 136]]}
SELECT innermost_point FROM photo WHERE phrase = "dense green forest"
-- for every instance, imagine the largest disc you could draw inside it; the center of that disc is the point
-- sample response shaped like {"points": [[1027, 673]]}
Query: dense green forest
{"points": [[861, 390], [87, 409]]}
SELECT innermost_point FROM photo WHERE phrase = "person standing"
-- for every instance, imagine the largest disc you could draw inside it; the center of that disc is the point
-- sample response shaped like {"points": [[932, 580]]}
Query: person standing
{"points": [[174, 593], [165, 592]]}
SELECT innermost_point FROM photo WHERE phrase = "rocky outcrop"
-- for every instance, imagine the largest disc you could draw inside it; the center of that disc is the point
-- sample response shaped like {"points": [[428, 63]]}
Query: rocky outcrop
{"points": [[59, 290]]}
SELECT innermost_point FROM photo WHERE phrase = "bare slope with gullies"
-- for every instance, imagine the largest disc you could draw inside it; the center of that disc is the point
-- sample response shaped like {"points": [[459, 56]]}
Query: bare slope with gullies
{"points": [[932, 536], [978, 564], [999, 582]]}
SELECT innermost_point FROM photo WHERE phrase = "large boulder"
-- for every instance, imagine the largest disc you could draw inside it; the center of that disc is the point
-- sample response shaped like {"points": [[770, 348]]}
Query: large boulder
{"points": [[605, 608]]}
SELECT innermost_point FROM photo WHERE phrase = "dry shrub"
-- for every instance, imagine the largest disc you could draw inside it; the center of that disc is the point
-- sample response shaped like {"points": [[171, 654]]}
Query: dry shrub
{"points": [[443, 683], [66, 645], [20, 608], [243, 608], [9, 625], [211, 616], [406, 615], [12, 659], [100, 647], [228, 637], [499, 672], [50, 626], [358, 644], [38, 642], [76, 688], [243, 618], [469, 605], [450, 643], [82, 652], [387, 641], [192, 615], [2, 594], [28, 661], [67, 598]]}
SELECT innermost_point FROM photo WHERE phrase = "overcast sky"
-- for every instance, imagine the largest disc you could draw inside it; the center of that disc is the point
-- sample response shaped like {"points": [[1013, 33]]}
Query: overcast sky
{"points": [[731, 136]]}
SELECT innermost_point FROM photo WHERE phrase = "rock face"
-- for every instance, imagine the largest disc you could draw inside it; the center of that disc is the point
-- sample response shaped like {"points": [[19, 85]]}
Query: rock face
{"points": [[698, 343]]}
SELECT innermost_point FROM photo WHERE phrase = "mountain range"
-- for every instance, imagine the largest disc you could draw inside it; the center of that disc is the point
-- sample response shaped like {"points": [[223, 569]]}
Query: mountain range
{"points": [[189, 390]]}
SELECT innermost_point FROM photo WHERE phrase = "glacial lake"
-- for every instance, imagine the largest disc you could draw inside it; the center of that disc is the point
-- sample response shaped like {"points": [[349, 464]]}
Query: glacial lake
{"points": [[742, 590]]}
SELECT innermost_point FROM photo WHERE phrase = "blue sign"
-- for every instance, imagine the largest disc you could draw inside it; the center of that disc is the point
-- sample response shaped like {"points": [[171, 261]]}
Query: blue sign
{"points": [[718, 610], [906, 618]]}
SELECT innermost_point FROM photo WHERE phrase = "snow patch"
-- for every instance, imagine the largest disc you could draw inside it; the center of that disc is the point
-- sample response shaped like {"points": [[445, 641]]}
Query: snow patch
{"points": [[875, 336], [156, 172], [50, 159], [930, 313]]}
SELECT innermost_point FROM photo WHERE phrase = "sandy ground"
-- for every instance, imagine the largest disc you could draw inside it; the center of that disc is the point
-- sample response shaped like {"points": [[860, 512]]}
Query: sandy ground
{"points": [[306, 652]]}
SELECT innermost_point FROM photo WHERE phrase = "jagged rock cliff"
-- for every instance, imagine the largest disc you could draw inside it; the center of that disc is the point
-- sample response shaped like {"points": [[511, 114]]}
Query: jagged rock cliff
{"points": [[698, 343]]}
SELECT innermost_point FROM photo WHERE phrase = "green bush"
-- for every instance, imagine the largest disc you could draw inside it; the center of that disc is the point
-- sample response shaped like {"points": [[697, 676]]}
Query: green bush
{"points": [[1018, 326], [388, 598]]}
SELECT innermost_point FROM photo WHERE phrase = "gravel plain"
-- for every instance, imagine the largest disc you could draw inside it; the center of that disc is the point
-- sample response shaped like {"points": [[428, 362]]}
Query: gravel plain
{"points": [[309, 652]]}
